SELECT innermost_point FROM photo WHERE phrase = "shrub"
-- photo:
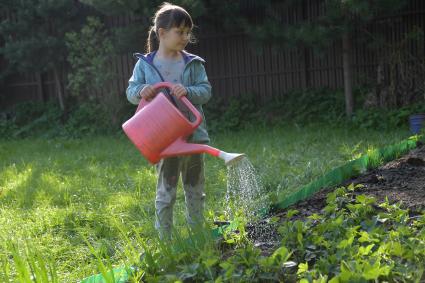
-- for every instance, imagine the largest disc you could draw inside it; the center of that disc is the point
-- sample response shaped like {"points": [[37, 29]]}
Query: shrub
{"points": [[34, 119], [386, 119], [297, 106]]}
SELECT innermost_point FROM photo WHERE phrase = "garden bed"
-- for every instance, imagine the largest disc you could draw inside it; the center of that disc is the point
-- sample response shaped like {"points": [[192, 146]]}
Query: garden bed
{"points": [[401, 180]]}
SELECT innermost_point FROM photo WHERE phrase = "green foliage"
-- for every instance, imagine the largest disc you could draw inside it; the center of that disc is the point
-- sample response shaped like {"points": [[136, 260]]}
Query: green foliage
{"points": [[38, 29], [113, 6], [197, 257], [30, 119], [239, 113], [231, 115], [88, 119], [132, 36], [302, 107], [31, 264], [127, 39], [89, 53], [297, 106], [45, 120], [335, 18], [313, 105], [142, 8], [356, 239], [386, 119], [309, 107]]}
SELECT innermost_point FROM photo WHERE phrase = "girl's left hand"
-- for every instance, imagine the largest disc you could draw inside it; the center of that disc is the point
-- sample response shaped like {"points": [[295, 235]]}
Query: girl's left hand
{"points": [[179, 90]]}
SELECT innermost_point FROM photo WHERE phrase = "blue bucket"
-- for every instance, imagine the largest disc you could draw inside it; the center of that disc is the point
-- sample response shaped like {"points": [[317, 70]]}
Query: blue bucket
{"points": [[416, 122]]}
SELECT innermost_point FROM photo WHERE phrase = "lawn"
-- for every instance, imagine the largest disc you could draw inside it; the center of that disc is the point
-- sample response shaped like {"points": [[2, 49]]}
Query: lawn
{"points": [[70, 200]]}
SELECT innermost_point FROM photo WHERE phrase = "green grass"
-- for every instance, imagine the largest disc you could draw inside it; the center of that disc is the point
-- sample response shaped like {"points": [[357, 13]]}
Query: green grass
{"points": [[69, 200]]}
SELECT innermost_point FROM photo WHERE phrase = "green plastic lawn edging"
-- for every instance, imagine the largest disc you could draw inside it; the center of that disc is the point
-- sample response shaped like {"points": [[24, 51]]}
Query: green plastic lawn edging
{"points": [[350, 169], [336, 176]]}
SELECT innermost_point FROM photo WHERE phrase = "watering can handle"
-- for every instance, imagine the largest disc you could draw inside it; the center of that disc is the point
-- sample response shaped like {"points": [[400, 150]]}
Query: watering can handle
{"points": [[157, 86]]}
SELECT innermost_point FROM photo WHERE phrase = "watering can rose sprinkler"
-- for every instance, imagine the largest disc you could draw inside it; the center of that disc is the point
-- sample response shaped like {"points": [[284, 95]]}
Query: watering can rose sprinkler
{"points": [[158, 129]]}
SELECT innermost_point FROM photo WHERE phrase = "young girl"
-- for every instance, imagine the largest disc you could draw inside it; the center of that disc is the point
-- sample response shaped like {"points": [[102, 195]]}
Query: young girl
{"points": [[172, 27]]}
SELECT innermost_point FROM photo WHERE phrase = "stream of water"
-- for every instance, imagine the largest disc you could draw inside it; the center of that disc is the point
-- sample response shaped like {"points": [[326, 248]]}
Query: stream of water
{"points": [[245, 192]]}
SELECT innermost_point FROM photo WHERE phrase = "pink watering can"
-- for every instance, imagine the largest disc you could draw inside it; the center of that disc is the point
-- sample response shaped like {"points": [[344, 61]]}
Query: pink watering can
{"points": [[158, 129]]}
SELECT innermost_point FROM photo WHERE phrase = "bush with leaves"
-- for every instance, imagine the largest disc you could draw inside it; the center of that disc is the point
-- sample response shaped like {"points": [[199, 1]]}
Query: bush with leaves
{"points": [[90, 53], [386, 119], [45, 120], [303, 106], [31, 119]]}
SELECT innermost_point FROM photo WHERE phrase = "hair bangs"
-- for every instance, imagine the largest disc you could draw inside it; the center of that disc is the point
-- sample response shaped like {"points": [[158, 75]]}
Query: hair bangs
{"points": [[180, 17]]}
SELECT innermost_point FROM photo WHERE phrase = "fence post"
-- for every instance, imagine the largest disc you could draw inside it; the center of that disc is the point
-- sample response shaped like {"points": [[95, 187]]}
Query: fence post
{"points": [[304, 53]]}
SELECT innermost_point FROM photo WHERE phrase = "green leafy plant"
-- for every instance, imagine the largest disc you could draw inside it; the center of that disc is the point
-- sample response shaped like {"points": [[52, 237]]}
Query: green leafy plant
{"points": [[357, 240]]}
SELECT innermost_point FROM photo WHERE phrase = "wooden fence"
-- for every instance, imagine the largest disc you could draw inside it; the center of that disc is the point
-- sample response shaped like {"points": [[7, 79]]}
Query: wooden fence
{"points": [[235, 68]]}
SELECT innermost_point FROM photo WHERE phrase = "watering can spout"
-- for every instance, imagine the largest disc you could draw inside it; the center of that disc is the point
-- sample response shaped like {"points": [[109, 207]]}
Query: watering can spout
{"points": [[231, 158], [181, 147]]}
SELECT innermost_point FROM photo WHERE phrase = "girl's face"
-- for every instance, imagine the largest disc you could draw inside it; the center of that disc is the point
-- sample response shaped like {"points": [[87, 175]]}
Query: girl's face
{"points": [[175, 38]]}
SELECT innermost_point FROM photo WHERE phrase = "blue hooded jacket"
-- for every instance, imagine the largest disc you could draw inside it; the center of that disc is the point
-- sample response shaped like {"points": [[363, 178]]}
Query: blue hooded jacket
{"points": [[194, 78]]}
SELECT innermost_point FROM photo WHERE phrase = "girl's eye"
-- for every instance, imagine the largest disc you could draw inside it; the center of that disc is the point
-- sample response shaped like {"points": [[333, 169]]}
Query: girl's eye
{"points": [[182, 32]]}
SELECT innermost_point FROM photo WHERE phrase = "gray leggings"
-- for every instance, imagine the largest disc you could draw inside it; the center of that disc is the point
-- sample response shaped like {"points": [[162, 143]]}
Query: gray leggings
{"points": [[191, 168]]}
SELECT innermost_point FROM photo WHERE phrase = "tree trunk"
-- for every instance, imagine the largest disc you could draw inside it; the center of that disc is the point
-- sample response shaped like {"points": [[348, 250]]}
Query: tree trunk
{"points": [[59, 89], [348, 86]]}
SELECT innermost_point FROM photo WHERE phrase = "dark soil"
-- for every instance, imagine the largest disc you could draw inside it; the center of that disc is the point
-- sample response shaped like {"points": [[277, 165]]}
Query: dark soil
{"points": [[401, 180]]}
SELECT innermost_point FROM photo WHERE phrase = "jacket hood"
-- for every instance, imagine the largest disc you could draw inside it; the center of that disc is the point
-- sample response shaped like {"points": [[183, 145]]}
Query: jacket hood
{"points": [[186, 56]]}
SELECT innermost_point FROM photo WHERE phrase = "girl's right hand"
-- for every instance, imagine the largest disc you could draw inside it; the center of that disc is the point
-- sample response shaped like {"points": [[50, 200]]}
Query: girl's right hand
{"points": [[148, 93]]}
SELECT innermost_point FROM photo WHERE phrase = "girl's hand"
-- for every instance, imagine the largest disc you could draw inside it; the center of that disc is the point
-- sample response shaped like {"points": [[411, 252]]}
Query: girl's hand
{"points": [[148, 92], [179, 90]]}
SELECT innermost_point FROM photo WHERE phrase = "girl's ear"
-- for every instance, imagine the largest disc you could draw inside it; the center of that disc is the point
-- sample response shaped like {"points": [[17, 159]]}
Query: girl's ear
{"points": [[161, 32]]}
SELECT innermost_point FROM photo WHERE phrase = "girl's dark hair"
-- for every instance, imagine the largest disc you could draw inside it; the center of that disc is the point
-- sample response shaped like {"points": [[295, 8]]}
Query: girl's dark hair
{"points": [[167, 16]]}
